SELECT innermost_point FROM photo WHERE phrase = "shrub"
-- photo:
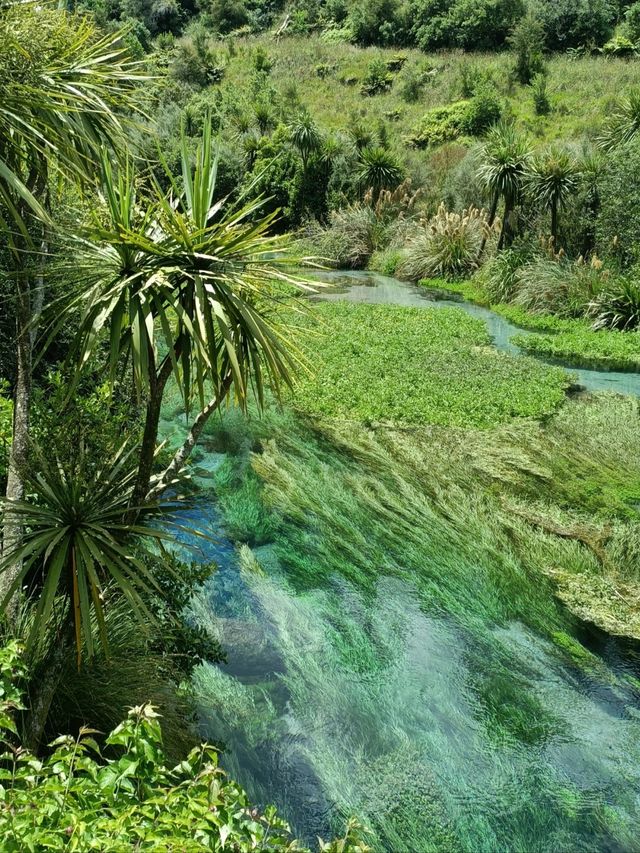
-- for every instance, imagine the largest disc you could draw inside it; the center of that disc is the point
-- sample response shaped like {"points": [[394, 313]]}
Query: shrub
{"points": [[541, 102], [632, 22], [500, 276], [553, 285], [619, 46], [441, 124], [617, 306], [469, 24], [574, 23], [378, 78], [386, 261], [471, 117], [527, 42], [447, 246], [196, 61], [483, 110], [351, 238], [618, 221], [77, 799], [228, 15]]}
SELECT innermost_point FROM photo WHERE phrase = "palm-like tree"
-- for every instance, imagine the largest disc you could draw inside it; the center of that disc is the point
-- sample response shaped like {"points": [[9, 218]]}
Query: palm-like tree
{"points": [[189, 276], [625, 124], [62, 86], [505, 156], [76, 543], [552, 178], [77, 549], [306, 137], [379, 170]]}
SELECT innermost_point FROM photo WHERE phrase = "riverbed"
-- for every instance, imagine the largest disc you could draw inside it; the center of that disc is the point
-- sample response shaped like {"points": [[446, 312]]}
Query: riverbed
{"points": [[377, 666]]}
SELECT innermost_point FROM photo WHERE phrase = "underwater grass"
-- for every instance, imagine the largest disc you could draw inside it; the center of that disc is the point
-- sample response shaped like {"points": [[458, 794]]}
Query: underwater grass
{"points": [[429, 686], [417, 366]]}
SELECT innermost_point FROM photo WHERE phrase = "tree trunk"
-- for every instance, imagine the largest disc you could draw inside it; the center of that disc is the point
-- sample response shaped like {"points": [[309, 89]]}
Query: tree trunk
{"points": [[157, 384], [554, 222], [178, 462], [43, 689], [492, 219], [12, 527], [503, 230], [26, 329]]}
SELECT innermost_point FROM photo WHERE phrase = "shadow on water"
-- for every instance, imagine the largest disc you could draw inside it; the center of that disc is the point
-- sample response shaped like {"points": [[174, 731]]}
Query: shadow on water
{"points": [[442, 733]]}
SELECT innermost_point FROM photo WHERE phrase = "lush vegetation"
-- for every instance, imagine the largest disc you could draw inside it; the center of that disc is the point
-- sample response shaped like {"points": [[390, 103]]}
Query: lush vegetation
{"points": [[253, 515], [380, 363]]}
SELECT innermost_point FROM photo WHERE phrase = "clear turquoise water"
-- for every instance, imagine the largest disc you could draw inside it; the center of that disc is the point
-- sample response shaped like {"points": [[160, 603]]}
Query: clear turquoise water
{"points": [[405, 699]]}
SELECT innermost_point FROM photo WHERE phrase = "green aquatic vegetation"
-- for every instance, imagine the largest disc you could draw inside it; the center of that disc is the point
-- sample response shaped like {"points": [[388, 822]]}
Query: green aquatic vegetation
{"points": [[387, 363], [539, 322], [239, 495], [576, 652], [581, 345], [469, 290], [571, 340], [401, 594]]}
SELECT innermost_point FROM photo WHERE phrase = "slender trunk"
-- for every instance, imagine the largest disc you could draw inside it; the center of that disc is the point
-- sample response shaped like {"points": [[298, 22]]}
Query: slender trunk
{"points": [[157, 384], [29, 300], [554, 221], [178, 462], [492, 219], [43, 689], [12, 527], [503, 229]]}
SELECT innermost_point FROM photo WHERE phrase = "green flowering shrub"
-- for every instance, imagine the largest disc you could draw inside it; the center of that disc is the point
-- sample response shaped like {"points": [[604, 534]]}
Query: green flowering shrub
{"points": [[79, 798]]}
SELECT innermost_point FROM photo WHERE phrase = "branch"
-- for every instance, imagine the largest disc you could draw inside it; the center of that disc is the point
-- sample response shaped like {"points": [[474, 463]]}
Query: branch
{"points": [[169, 475]]}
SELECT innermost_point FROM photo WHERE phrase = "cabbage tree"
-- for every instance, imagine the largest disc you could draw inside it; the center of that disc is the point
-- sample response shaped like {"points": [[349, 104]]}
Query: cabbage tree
{"points": [[62, 87], [181, 285]]}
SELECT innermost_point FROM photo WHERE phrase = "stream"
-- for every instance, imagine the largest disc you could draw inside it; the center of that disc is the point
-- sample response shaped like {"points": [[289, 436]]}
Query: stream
{"points": [[339, 700]]}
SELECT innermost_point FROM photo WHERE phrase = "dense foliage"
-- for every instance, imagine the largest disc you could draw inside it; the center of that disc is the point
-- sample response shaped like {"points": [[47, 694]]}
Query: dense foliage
{"points": [[127, 798], [413, 365]]}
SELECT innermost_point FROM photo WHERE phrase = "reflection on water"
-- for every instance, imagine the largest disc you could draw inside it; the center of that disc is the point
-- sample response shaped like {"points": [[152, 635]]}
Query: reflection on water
{"points": [[374, 288]]}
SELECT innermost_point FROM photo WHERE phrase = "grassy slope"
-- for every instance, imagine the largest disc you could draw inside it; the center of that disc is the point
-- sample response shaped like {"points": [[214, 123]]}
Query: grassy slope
{"points": [[583, 91]]}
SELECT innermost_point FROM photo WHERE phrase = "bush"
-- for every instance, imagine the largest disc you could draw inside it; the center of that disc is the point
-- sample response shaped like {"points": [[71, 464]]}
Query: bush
{"points": [[469, 24], [618, 220], [554, 285], [619, 46], [541, 102], [446, 246], [527, 42], [77, 799], [470, 117], [632, 22], [575, 23], [377, 22], [500, 276], [483, 111], [617, 306], [378, 78], [351, 238]]}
